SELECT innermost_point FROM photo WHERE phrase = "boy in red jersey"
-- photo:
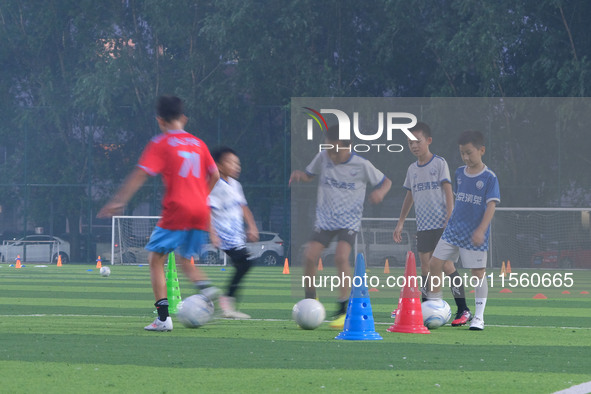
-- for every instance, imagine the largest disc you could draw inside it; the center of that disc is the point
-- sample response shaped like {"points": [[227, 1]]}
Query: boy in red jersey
{"points": [[188, 173]]}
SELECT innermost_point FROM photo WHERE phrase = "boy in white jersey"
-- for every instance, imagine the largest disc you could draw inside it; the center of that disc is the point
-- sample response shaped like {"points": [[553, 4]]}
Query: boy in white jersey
{"points": [[428, 187], [468, 229], [343, 178], [229, 211]]}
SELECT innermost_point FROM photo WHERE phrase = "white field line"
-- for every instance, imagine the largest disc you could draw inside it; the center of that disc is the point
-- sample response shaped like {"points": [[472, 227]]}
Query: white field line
{"points": [[270, 320]]}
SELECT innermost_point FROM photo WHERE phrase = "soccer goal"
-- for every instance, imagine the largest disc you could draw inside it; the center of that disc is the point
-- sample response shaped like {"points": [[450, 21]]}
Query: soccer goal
{"points": [[541, 238], [130, 234]]}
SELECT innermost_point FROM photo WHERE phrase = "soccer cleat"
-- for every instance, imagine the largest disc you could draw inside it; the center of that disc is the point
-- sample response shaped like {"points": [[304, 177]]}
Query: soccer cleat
{"points": [[462, 318], [159, 325], [228, 306], [339, 322], [211, 292], [477, 324]]}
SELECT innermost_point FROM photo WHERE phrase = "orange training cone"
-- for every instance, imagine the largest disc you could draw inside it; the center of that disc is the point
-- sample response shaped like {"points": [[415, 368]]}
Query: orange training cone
{"points": [[98, 263], [192, 260], [503, 271], [59, 260], [18, 262], [386, 267], [508, 270], [286, 267], [409, 317], [320, 266]]}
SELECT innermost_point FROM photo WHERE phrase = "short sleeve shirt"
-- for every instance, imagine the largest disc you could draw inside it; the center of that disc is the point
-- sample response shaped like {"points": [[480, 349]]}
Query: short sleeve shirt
{"points": [[424, 182], [341, 190], [185, 164], [473, 192], [226, 202]]}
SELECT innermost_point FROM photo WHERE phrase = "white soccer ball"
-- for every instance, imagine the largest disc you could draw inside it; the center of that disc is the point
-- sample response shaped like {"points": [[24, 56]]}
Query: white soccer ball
{"points": [[195, 311], [435, 313], [308, 313], [105, 271]]}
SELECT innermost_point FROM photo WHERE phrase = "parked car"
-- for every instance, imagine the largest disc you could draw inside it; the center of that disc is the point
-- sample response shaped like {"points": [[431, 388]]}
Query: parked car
{"points": [[37, 248], [268, 250], [563, 258]]}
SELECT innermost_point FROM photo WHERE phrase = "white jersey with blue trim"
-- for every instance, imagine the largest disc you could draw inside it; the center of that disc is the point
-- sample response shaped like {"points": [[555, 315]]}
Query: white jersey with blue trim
{"points": [[226, 201], [341, 190], [424, 182], [473, 193]]}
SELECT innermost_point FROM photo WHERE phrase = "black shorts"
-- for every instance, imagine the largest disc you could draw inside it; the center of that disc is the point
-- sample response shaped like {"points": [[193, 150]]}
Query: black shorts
{"points": [[325, 236], [427, 240]]}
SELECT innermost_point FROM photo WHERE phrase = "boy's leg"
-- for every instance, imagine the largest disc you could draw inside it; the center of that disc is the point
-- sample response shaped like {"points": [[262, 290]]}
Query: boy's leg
{"points": [[480, 296], [158, 279], [341, 259], [424, 258], [435, 274], [463, 314], [311, 255], [241, 265]]}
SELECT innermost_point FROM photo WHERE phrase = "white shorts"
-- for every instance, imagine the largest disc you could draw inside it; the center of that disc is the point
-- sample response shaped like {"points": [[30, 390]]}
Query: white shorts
{"points": [[470, 258]]}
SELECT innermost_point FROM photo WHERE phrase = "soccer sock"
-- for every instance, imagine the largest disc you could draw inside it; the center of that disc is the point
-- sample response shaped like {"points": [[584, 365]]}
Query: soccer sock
{"points": [[242, 266], [480, 296], [458, 291], [424, 288], [310, 292], [162, 308], [435, 296]]}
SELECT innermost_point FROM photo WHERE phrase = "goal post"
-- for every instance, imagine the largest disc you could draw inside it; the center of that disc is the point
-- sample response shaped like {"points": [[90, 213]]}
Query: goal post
{"points": [[130, 234]]}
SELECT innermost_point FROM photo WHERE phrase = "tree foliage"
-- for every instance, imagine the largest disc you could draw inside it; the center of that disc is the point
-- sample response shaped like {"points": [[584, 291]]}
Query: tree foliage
{"points": [[80, 78]]}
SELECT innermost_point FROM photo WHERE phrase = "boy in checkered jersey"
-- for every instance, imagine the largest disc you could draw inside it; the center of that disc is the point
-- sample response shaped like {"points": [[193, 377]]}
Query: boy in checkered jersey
{"points": [[468, 229], [343, 179], [428, 187]]}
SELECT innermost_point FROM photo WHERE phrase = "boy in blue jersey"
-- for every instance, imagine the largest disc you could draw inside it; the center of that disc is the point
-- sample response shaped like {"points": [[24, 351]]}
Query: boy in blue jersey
{"points": [[229, 212], [343, 178], [428, 187], [468, 229]]}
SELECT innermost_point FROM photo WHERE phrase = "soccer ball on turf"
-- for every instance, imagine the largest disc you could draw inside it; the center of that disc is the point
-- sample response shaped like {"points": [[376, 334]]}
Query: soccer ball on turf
{"points": [[435, 313], [195, 311], [308, 313], [105, 271]]}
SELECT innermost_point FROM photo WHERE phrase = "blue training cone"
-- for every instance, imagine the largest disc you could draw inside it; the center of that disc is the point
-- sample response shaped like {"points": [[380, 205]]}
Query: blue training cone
{"points": [[359, 323]]}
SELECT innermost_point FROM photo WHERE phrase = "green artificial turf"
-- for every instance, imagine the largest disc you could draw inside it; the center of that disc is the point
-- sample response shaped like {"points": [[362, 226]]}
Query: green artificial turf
{"points": [[69, 330]]}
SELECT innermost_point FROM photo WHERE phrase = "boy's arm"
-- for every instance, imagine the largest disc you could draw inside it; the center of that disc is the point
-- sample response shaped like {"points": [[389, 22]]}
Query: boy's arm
{"points": [[449, 199], [377, 196], [252, 232], [130, 186], [300, 176], [478, 234], [213, 179], [406, 205]]}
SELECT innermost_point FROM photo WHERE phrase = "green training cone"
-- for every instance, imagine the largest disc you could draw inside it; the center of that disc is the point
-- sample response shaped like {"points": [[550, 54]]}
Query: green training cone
{"points": [[173, 290]]}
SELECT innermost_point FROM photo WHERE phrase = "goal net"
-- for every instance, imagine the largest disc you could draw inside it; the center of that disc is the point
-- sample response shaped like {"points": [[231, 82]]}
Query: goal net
{"points": [[130, 234], [541, 238], [545, 238]]}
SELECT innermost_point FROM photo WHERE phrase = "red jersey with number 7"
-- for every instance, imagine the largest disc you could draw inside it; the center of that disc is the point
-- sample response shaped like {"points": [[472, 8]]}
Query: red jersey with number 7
{"points": [[185, 163]]}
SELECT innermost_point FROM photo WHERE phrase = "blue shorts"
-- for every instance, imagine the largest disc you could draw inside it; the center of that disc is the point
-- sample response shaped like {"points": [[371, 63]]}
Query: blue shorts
{"points": [[188, 242]]}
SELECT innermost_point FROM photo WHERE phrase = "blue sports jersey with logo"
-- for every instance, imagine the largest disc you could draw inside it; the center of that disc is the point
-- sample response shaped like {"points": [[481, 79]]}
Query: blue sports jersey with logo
{"points": [[473, 192]]}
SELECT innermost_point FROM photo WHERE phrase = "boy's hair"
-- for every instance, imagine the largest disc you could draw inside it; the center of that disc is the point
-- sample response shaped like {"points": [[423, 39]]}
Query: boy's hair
{"points": [[169, 107], [219, 153], [332, 134], [421, 126], [472, 136]]}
